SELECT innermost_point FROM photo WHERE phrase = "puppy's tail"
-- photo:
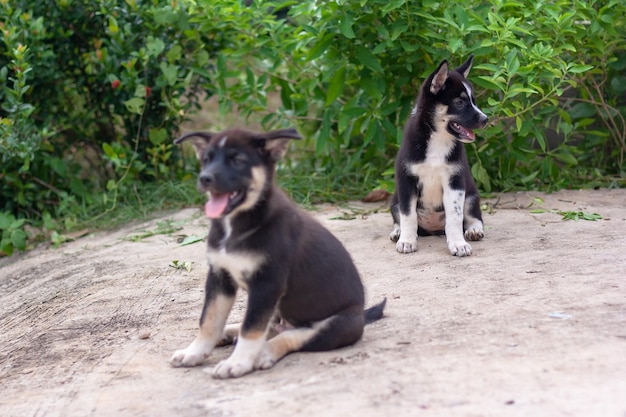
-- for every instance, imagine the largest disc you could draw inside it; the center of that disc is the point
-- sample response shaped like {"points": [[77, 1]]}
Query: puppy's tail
{"points": [[375, 313]]}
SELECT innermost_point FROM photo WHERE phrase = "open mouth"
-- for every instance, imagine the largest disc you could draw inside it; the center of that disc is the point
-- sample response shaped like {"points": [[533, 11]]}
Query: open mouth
{"points": [[463, 133], [220, 204]]}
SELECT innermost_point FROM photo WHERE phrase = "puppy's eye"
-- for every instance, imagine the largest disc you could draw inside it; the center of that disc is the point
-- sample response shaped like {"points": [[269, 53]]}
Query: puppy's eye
{"points": [[458, 103], [208, 156], [238, 159]]}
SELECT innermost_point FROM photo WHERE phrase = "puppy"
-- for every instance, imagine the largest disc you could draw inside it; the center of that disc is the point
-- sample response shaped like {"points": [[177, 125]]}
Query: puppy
{"points": [[294, 270], [435, 192]]}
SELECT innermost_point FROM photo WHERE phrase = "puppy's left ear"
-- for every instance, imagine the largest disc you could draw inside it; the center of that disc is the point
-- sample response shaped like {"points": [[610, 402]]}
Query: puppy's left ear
{"points": [[199, 140], [465, 68], [439, 77], [275, 142]]}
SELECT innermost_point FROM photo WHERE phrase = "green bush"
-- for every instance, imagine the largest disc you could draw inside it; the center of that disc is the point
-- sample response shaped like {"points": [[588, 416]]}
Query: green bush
{"points": [[550, 75], [95, 89], [93, 92]]}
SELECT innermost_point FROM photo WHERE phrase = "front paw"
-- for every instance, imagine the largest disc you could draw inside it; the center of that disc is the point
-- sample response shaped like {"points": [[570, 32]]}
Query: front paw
{"points": [[460, 248], [231, 369], [188, 357], [406, 246]]}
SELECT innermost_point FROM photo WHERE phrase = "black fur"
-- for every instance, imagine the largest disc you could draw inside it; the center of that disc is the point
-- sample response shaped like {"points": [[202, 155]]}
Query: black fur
{"points": [[298, 273], [432, 162]]}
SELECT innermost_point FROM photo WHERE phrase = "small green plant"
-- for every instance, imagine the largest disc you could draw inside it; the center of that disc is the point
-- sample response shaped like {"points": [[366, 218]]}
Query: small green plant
{"points": [[186, 265], [12, 234], [579, 215], [566, 214], [165, 227], [191, 239]]}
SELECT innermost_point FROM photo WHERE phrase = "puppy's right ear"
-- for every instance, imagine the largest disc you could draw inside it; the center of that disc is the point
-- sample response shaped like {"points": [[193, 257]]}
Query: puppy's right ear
{"points": [[199, 140], [275, 142], [439, 77]]}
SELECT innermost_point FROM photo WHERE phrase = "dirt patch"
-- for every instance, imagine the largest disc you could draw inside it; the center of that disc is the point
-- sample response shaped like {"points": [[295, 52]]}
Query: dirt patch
{"points": [[533, 323]]}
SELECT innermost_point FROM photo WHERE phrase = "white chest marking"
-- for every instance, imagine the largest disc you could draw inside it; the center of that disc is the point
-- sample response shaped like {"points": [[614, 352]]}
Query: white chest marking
{"points": [[240, 265], [435, 171]]}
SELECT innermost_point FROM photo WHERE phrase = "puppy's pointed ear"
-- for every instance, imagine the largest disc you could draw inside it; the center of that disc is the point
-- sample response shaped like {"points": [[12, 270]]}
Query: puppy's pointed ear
{"points": [[199, 140], [439, 77], [275, 142], [465, 68]]}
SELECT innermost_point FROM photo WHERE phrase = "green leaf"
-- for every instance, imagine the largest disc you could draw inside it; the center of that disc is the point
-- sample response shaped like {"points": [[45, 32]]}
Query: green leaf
{"points": [[345, 27], [518, 123], [5, 220], [155, 47], [566, 157], [188, 240], [18, 239], [579, 68], [320, 47], [157, 135], [58, 165], [324, 134], [6, 247], [108, 150], [482, 176], [176, 52], [392, 5], [113, 26], [530, 177], [582, 110], [170, 72], [335, 88], [140, 91], [368, 59], [135, 105], [285, 94]]}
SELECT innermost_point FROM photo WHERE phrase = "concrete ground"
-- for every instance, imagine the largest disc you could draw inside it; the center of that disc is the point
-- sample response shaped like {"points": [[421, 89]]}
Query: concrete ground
{"points": [[532, 324]]}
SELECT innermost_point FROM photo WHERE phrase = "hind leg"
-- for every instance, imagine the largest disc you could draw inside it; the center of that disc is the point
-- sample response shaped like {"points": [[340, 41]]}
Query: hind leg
{"points": [[336, 331], [229, 335], [395, 215], [404, 213], [472, 218]]}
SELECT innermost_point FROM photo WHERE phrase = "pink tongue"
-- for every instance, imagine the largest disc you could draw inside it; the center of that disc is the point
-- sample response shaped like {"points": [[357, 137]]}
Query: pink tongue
{"points": [[216, 205]]}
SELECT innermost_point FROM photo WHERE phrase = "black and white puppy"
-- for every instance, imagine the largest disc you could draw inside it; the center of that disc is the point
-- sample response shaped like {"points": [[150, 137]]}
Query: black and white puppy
{"points": [[295, 272], [435, 192]]}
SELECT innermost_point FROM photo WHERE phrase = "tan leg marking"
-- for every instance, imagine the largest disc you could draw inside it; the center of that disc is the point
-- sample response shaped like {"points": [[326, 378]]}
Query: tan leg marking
{"points": [[213, 322]]}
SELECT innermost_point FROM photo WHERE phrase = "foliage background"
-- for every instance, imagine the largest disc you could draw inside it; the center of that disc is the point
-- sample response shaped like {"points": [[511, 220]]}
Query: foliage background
{"points": [[95, 91]]}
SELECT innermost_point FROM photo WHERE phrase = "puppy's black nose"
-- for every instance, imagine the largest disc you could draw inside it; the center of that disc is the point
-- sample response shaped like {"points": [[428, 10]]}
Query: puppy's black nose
{"points": [[206, 179], [483, 120]]}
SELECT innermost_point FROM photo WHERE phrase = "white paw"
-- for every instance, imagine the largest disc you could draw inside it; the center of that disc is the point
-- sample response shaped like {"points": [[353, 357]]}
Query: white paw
{"points": [[395, 233], [475, 232], [188, 357], [406, 246], [460, 248], [232, 369]]}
